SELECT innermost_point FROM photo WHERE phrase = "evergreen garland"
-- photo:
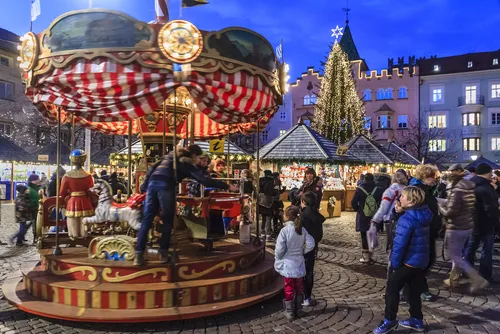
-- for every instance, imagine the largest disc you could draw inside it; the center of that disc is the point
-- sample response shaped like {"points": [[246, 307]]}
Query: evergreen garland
{"points": [[340, 112]]}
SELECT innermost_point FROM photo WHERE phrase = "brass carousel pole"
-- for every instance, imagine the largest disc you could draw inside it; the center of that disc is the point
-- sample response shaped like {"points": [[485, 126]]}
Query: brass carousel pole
{"points": [[129, 176], [175, 177], [257, 240], [164, 139], [57, 249], [191, 135], [228, 149]]}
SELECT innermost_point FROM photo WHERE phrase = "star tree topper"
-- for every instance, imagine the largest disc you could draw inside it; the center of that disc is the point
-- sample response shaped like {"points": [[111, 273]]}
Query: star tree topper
{"points": [[337, 32]]}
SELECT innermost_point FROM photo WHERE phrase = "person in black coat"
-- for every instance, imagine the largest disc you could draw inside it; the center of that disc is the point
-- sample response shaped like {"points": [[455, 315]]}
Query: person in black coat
{"points": [[486, 221], [52, 191], [312, 221], [267, 192], [363, 222], [116, 185]]}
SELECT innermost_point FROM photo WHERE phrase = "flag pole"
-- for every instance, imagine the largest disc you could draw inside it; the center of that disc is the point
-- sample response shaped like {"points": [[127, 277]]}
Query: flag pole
{"points": [[180, 9], [31, 16]]}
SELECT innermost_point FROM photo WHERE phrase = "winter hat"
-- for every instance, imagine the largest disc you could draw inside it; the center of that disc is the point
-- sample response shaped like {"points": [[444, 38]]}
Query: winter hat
{"points": [[21, 188], [34, 178], [402, 171], [483, 169], [455, 167]]}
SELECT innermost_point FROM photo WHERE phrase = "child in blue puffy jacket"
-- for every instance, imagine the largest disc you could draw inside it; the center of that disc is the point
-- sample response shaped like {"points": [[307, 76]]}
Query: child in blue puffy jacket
{"points": [[409, 258]]}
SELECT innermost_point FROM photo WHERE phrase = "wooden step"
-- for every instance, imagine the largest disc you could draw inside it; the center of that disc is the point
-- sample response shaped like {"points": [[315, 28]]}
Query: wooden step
{"points": [[14, 291], [93, 294]]}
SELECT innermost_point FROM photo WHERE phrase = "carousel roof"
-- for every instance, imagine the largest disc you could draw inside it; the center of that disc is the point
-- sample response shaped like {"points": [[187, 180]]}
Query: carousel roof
{"points": [[301, 143], [483, 160], [12, 152], [372, 153], [51, 151]]}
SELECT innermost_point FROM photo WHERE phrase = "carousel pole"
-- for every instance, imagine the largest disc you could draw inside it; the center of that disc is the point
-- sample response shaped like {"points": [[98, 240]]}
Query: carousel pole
{"points": [[129, 171], [57, 249], [228, 149], [174, 253], [257, 240], [191, 135], [165, 124], [72, 132]]}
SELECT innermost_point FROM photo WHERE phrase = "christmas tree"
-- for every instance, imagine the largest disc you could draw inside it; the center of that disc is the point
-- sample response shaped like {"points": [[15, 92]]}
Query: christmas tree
{"points": [[339, 113]]}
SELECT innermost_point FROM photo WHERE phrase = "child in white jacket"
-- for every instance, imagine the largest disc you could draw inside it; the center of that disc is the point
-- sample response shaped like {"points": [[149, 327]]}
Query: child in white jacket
{"points": [[293, 242]]}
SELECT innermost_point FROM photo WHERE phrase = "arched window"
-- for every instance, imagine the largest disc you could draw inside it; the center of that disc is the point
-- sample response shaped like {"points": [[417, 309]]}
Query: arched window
{"points": [[367, 95], [388, 94], [313, 98], [380, 94], [307, 100], [402, 93]]}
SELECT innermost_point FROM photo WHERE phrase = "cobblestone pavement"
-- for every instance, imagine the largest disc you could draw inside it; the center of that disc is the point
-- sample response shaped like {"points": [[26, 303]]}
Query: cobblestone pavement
{"points": [[349, 294]]}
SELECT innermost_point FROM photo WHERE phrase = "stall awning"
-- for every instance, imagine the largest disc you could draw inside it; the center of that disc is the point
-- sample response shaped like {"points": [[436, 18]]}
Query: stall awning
{"points": [[483, 160], [301, 143], [9, 151], [371, 152]]}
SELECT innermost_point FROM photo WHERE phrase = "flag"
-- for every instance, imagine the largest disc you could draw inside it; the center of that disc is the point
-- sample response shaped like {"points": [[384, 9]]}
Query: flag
{"points": [[279, 51], [192, 3], [35, 10]]}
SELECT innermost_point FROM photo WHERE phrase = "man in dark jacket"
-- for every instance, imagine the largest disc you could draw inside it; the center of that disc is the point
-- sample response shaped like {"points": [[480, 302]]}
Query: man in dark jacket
{"points": [[485, 221], [382, 181], [312, 221], [267, 193], [363, 221], [160, 183]]}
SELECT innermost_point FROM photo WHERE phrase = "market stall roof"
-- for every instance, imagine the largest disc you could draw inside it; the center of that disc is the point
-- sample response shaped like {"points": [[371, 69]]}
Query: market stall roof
{"points": [[370, 152], [102, 157], [51, 151], [483, 160], [301, 143], [205, 146], [12, 152]]}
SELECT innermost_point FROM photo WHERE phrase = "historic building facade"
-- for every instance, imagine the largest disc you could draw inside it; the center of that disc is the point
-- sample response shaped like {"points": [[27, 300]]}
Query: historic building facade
{"points": [[460, 95]]}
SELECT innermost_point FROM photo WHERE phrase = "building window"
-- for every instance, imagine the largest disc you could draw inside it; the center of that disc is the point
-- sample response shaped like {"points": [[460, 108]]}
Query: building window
{"points": [[367, 123], [403, 93], [437, 95], [469, 64], [437, 145], [471, 94], [384, 122], [380, 94], [282, 116], [495, 91], [437, 121], [436, 68], [367, 95], [471, 119], [4, 61], [313, 99], [495, 61], [403, 121], [5, 129], [388, 94], [6, 90], [471, 144], [282, 132], [264, 136], [307, 100], [495, 144], [495, 118], [40, 136]]}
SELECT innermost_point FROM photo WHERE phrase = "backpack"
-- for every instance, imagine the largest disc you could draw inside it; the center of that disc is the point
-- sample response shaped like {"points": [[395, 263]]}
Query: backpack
{"points": [[371, 205]]}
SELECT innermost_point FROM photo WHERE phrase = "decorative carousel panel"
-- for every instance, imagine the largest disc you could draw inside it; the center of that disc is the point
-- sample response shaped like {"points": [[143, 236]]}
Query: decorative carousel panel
{"points": [[96, 29]]}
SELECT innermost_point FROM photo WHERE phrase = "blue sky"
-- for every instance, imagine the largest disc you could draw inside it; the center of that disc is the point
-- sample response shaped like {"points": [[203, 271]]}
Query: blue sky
{"points": [[381, 28]]}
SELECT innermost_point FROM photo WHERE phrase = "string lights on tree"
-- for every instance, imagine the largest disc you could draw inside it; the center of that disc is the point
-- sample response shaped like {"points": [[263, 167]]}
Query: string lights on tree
{"points": [[339, 110]]}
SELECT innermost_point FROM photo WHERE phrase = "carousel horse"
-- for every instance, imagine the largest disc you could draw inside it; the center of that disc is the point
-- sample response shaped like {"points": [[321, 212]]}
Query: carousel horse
{"points": [[106, 211]]}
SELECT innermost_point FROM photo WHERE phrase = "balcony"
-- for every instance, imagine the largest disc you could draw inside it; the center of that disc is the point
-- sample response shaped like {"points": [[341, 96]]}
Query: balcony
{"points": [[471, 131], [472, 103]]}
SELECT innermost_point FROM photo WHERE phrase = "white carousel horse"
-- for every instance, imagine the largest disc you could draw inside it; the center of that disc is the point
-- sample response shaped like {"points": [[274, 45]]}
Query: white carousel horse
{"points": [[106, 212]]}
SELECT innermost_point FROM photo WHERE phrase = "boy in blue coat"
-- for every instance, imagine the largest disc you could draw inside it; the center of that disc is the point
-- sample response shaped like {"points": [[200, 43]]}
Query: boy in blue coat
{"points": [[409, 258]]}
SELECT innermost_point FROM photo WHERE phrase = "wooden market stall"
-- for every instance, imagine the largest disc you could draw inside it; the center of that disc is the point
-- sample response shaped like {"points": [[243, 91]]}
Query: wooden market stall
{"points": [[375, 156], [302, 147]]}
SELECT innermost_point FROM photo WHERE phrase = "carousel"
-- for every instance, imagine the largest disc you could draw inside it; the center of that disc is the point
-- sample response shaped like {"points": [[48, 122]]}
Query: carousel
{"points": [[164, 81]]}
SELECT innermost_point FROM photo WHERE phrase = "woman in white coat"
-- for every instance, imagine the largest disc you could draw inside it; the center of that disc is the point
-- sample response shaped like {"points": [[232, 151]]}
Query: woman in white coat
{"points": [[293, 242]]}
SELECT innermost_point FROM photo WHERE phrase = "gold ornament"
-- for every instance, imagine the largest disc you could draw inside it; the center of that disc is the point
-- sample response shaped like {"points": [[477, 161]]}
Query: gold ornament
{"points": [[106, 272], [28, 51], [228, 266], [180, 41], [119, 247], [83, 269]]}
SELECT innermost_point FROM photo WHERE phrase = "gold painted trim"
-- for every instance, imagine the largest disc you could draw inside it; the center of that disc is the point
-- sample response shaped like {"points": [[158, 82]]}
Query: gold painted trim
{"points": [[106, 272], [228, 266], [83, 269]]}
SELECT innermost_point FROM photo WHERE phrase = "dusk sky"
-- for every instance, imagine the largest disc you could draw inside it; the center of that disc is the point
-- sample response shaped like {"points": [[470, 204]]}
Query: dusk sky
{"points": [[381, 28]]}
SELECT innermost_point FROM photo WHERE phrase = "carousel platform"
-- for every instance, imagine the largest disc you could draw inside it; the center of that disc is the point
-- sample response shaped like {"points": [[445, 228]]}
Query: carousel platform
{"points": [[78, 288]]}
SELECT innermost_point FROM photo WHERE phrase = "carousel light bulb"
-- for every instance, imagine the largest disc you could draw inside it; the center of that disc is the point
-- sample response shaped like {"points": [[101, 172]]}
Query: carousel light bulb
{"points": [[19, 58], [196, 35], [287, 88], [188, 101], [287, 68], [19, 47], [187, 55], [287, 78], [21, 38], [196, 47]]}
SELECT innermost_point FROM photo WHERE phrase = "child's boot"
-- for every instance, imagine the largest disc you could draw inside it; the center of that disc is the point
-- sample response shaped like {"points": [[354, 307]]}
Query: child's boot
{"points": [[299, 299], [288, 305]]}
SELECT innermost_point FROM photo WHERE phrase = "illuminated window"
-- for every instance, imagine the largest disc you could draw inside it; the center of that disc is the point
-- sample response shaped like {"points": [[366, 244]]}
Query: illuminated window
{"points": [[495, 144], [403, 93], [384, 122], [471, 144], [282, 132], [403, 121], [437, 145], [495, 61], [367, 95], [437, 121], [437, 95], [495, 91], [437, 68], [471, 119], [380, 94], [367, 123], [307, 100], [313, 99], [388, 94], [469, 64], [471, 94]]}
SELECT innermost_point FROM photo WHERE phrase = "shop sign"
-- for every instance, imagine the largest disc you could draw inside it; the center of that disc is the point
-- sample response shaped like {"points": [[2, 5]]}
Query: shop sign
{"points": [[217, 145], [43, 157]]}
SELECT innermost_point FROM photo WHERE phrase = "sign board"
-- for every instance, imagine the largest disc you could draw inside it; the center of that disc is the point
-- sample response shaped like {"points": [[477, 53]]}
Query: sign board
{"points": [[43, 157], [217, 145]]}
